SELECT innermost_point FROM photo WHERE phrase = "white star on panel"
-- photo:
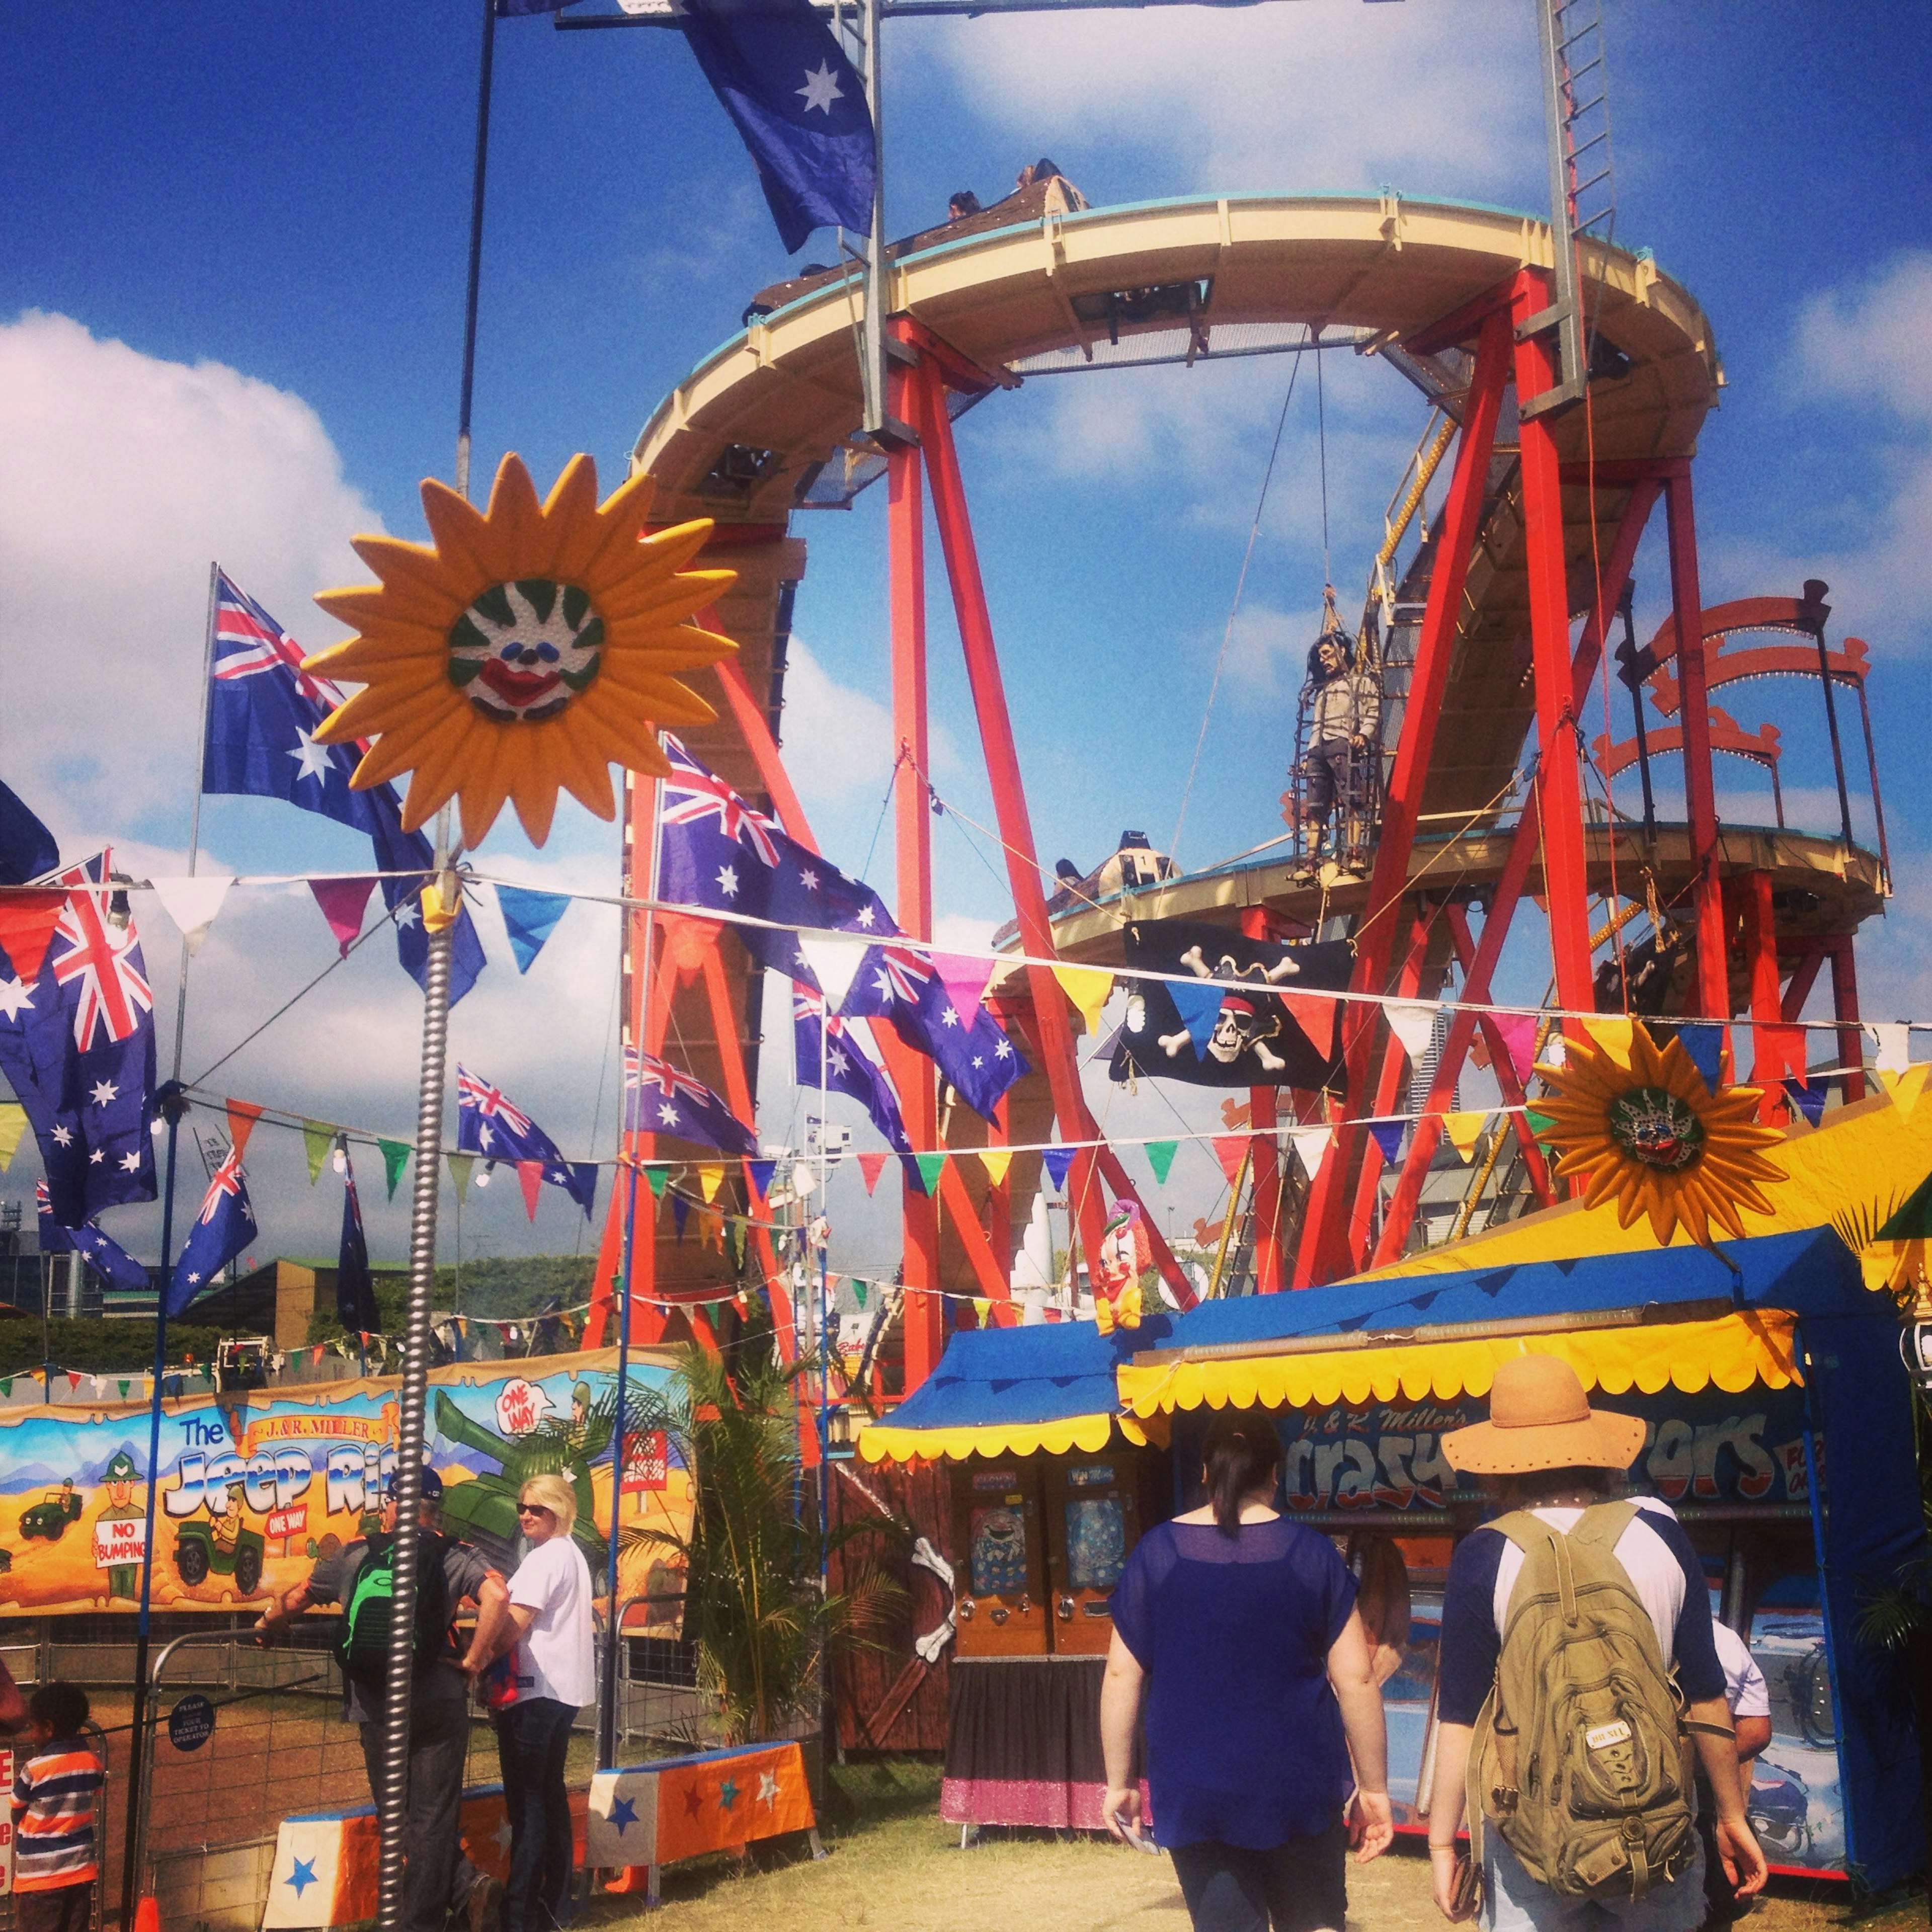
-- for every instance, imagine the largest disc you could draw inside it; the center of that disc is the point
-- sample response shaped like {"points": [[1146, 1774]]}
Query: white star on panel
{"points": [[63, 1137], [1003, 1051], [130, 1163], [668, 1114], [97, 1157], [948, 1017], [808, 880], [866, 917], [727, 882], [311, 758], [885, 983], [15, 998], [821, 89], [194, 1279], [105, 1090]]}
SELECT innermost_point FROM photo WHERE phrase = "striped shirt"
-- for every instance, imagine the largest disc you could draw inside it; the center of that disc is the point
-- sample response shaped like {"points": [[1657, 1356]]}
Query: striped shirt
{"points": [[53, 1817]]}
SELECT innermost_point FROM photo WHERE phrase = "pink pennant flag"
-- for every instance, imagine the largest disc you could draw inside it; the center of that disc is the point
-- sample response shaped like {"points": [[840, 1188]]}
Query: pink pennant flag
{"points": [[343, 902], [871, 1165], [530, 1173], [1519, 1032], [965, 979], [1230, 1149]]}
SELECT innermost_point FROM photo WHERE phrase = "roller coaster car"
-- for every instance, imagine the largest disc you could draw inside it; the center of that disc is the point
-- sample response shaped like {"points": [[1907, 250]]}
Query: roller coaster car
{"points": [[199, 1553], [51, 1515]]}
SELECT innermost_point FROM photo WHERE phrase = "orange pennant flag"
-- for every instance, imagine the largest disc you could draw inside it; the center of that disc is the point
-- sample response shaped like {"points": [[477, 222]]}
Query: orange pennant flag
{"points": [[1230, 1149], [242, 1115], [1314, 1013], [530, 1174]]}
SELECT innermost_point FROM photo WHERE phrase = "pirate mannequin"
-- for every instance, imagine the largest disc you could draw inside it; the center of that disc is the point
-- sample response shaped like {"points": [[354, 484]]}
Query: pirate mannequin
{"points": [[1344, 710]]}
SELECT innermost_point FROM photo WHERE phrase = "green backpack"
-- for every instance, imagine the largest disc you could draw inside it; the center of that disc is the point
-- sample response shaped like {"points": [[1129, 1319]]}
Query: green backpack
{"points": [[363, 1648], [1580, 1759]]}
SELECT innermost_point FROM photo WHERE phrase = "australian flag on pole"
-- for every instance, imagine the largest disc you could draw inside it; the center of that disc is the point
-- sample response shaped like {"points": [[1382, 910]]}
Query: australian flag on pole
{"points": [[659, 1099], [111, 1262], [263, 712], [830, 1054], [894, 983], [799, 106], [355, 1291], [224, 1228], [716, 851], [77, 1044], [488, 1124]]}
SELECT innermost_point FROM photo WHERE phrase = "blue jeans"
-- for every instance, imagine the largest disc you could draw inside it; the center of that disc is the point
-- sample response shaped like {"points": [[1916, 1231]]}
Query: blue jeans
{"points": [[532, 1738], [1512, 1901]]}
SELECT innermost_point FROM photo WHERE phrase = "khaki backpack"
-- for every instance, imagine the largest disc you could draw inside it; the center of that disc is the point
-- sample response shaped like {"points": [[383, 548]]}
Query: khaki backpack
{"points": [[1580, 1759]]}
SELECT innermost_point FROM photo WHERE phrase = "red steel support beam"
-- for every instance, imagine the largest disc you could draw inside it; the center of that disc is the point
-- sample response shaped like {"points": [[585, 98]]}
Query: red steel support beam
{"points": [[1015, 829], [1388, 1085], [1565, 884], [1767, 1008], [1504, 1068], [1845, 1009], [1322, 1250], [924, 1325], [1479, 971], [1798, 989]]}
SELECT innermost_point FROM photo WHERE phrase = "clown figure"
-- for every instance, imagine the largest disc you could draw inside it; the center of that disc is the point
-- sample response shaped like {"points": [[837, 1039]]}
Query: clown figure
{"points": [[1124, 1253]]}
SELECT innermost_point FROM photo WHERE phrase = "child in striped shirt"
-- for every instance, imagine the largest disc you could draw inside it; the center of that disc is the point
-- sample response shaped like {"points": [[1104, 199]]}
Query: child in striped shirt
{"points": [[54, 1793]]}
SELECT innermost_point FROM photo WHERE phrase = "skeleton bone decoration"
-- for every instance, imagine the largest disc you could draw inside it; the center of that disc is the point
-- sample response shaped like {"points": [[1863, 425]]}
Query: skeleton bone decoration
{"points": [[1239, 1026]]}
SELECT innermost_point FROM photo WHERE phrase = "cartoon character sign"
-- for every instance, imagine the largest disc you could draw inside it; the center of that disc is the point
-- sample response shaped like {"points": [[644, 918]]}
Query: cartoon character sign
{"points": [[1124, 1253]]}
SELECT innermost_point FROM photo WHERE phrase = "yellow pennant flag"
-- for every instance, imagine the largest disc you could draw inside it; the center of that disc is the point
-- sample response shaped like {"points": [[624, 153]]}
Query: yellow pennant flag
{"points": [[1087, 987], [1612, 1033], [1464, 1131], [710, 1174], [13, 1126], [1905, 1088], [982, 1307], [438, 916], [996, 1160]]}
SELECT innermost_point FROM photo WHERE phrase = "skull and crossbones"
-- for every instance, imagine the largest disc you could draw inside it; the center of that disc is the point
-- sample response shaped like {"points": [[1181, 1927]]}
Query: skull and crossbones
{"points": [[1239, 1027]]}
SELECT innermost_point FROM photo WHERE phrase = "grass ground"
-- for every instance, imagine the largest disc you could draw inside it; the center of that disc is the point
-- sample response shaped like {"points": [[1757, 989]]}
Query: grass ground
{"points": [[894, 1866]]}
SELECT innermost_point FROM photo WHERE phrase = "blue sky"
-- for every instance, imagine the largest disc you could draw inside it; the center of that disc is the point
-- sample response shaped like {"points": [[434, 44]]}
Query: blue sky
{"points": [[233, 244]]}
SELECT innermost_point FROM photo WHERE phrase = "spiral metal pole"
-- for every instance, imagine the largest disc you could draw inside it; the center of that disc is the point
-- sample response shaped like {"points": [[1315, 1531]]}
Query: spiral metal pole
{"points": [[392, 1801]]}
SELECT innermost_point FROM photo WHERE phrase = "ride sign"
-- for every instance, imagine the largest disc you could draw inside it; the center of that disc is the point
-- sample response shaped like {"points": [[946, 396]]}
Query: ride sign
{"points": [[191, 1722]]}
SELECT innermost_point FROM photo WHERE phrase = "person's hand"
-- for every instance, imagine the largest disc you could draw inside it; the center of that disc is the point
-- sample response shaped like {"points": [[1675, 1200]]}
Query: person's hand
{"points": [[1371, 1825], [1121, 1809], [265, 1631], [1743, 1860], [1442, 1861]]}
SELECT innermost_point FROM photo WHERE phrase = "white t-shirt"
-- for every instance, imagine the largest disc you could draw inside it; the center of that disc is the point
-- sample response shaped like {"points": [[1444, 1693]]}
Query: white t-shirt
{"points": [[1745, 1691], [1654, 1571], [556, 1657]]}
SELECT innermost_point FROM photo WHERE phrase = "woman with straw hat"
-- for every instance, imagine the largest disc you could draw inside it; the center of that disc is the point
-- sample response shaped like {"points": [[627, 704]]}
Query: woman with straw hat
{"points": [[1547, 1451]]}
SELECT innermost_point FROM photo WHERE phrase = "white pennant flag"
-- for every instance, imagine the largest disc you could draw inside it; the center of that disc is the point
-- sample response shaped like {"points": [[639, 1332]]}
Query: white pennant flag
{"points": [[834, 959], [1412, 1023], [1311, 1145], [193, 903], [1894, 1044]]}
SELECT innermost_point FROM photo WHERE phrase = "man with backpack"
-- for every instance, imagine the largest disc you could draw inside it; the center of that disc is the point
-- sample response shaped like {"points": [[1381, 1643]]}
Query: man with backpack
{"points": [[437, 1879], [1577, 1681]]}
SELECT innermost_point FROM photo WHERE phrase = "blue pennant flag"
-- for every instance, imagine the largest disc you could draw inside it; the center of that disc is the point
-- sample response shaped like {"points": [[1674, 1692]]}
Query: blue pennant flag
{"points": [[529, 918], [112, 1262], [1057, 1160], [659, 1099], [1199, 1007], [1704, 1042], [1808, 1095], [487, 1124], [831, 1053], [77, 1045], [224, 1228], [894, 983], [263, 712], [799, 105], [355, 1291], [1387, 1135], [716, 851]]}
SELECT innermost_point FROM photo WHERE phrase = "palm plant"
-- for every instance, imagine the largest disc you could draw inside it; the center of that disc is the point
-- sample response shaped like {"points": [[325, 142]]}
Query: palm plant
{"points": [[756, 1605]]}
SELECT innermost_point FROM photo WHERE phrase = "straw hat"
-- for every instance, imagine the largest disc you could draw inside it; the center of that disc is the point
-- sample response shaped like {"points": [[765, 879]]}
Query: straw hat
{"points": [[1541, 1419]]}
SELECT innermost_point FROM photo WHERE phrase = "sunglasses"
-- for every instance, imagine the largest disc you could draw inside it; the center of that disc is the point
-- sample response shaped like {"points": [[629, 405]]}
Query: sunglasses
{"points": [[534, 1509]]}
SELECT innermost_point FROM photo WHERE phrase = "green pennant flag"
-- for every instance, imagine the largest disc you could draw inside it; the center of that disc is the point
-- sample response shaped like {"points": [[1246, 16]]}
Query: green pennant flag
{"points": [[6, 1384], [931, 1167], [460, 1164], [123, 1386], [395, 1158], [1540, 1124], [318, 1137], [1160, 1158], [734, 1235], [658, 1175], [859, 1291]]}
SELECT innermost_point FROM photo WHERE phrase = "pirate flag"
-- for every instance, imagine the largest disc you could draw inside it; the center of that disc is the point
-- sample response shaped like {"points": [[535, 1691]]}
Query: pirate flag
{"points": [[1257, 1034]]}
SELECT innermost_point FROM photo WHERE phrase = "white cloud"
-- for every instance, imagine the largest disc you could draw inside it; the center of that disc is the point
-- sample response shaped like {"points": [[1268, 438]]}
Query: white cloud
{"points": [[1868, 343], [1268, 650], [1326, 95], [838, 739], [121, 475]]}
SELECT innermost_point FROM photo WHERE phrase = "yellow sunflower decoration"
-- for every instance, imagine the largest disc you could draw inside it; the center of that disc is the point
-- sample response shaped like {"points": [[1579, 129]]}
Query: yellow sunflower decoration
{"points": [[527, 648], [1654, 1135]]}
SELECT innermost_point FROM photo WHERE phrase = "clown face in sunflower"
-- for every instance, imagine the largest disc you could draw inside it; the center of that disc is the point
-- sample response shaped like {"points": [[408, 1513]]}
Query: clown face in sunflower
{"points": [[1654, 1135], [527, 649]]}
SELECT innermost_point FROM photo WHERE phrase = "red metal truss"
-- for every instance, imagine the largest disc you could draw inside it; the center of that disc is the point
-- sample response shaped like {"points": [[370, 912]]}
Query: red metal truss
{"points": [[1763, 747], [1388, 1083]]}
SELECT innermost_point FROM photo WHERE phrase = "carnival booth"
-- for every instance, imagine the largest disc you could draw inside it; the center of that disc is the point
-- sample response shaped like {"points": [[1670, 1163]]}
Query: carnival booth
{"points": [[1051, 1486], [1780, 1430]]}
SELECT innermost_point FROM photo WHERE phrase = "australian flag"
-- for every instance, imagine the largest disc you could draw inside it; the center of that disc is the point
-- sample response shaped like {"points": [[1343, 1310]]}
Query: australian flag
{"points": [[894, 983], [487, 1123], [263, 712], [224, 1228], [659, 1099], [714, 851], [830, 1054], [799, 105], [78, 1046], [355, 1291], [111, 1262]]}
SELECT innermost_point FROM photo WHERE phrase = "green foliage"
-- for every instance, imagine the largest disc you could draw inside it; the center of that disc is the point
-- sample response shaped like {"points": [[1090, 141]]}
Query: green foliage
{"points": [[97, 1348], [1899, 1614], [754, 1603], [512, 1287]]}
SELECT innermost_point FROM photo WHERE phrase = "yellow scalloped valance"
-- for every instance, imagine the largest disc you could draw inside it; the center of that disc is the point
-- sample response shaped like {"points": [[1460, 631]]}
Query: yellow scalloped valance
{"points": [[1734, 1352], [880, 1441]]}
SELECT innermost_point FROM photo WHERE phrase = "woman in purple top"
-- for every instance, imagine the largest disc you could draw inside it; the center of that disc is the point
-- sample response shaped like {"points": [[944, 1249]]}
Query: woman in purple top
{"points": [[1239, 1630]]}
